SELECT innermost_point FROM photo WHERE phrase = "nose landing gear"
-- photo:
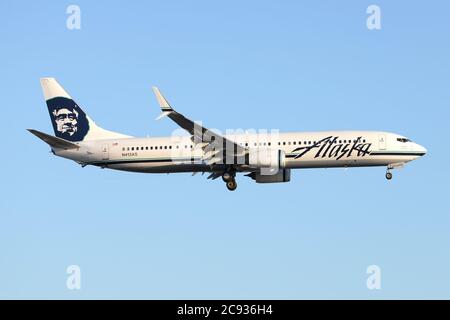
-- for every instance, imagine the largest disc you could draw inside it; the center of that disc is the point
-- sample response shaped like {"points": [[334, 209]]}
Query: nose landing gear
{"points": [[391, 166]]}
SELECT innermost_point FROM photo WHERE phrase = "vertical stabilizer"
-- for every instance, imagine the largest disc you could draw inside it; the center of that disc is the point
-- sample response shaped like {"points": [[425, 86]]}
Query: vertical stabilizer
{"points": [[69, 121]]}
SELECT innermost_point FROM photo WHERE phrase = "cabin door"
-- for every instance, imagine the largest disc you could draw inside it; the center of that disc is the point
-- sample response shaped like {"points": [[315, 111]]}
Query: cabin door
{"points": [[382, 142], [105, 152]]}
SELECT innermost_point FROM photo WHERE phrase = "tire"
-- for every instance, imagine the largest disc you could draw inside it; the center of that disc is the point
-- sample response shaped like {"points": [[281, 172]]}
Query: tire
{"points": [[388, 175], [231, 185], [226, 176]]}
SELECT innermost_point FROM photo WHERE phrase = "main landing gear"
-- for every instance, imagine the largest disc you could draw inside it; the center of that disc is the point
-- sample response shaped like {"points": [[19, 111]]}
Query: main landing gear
{"points": [[232, 185], [230, 181]]}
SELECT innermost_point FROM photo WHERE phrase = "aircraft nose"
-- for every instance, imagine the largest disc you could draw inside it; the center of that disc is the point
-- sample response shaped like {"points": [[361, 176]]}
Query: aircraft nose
{"points": [[421, 149]]}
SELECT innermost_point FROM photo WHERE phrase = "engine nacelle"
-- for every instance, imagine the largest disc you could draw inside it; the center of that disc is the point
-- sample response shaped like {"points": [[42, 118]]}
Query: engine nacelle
{"points": [[283, 175], [266, 158]]}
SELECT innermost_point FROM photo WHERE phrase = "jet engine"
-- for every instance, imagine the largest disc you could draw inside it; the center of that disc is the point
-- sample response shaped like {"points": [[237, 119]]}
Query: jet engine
{"points": [[266, 158], [282, 175]]}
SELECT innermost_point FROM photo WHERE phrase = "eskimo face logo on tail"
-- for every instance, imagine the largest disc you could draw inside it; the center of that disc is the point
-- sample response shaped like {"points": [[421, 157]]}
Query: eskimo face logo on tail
{"points": [[69, 121], [66, 121]]}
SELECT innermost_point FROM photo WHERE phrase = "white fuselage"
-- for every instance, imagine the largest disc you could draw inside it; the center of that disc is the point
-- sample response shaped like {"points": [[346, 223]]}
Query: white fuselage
{"points": [[301, 149]]}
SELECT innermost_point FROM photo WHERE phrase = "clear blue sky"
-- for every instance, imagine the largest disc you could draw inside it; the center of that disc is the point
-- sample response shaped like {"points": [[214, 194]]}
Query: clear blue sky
{"points": [[288, 65]]}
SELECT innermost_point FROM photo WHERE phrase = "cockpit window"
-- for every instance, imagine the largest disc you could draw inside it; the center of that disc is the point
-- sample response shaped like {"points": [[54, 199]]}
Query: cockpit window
{"points": [[403, 140]]}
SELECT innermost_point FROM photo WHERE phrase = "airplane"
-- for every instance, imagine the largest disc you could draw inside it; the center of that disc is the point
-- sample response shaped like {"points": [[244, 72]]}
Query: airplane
{"points": [[266, 157]]}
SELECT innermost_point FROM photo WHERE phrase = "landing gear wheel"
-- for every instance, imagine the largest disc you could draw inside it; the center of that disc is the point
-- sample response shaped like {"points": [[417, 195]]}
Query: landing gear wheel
{"points": [[227, 176], [231, 185], [388, 175]]}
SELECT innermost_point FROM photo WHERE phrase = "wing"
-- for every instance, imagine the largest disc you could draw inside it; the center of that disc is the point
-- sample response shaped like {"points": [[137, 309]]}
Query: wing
{"points": [[215, 146]]}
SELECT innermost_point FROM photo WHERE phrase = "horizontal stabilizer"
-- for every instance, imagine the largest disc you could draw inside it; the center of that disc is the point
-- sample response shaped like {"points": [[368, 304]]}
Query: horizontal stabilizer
{"points": [[54, 142]]}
